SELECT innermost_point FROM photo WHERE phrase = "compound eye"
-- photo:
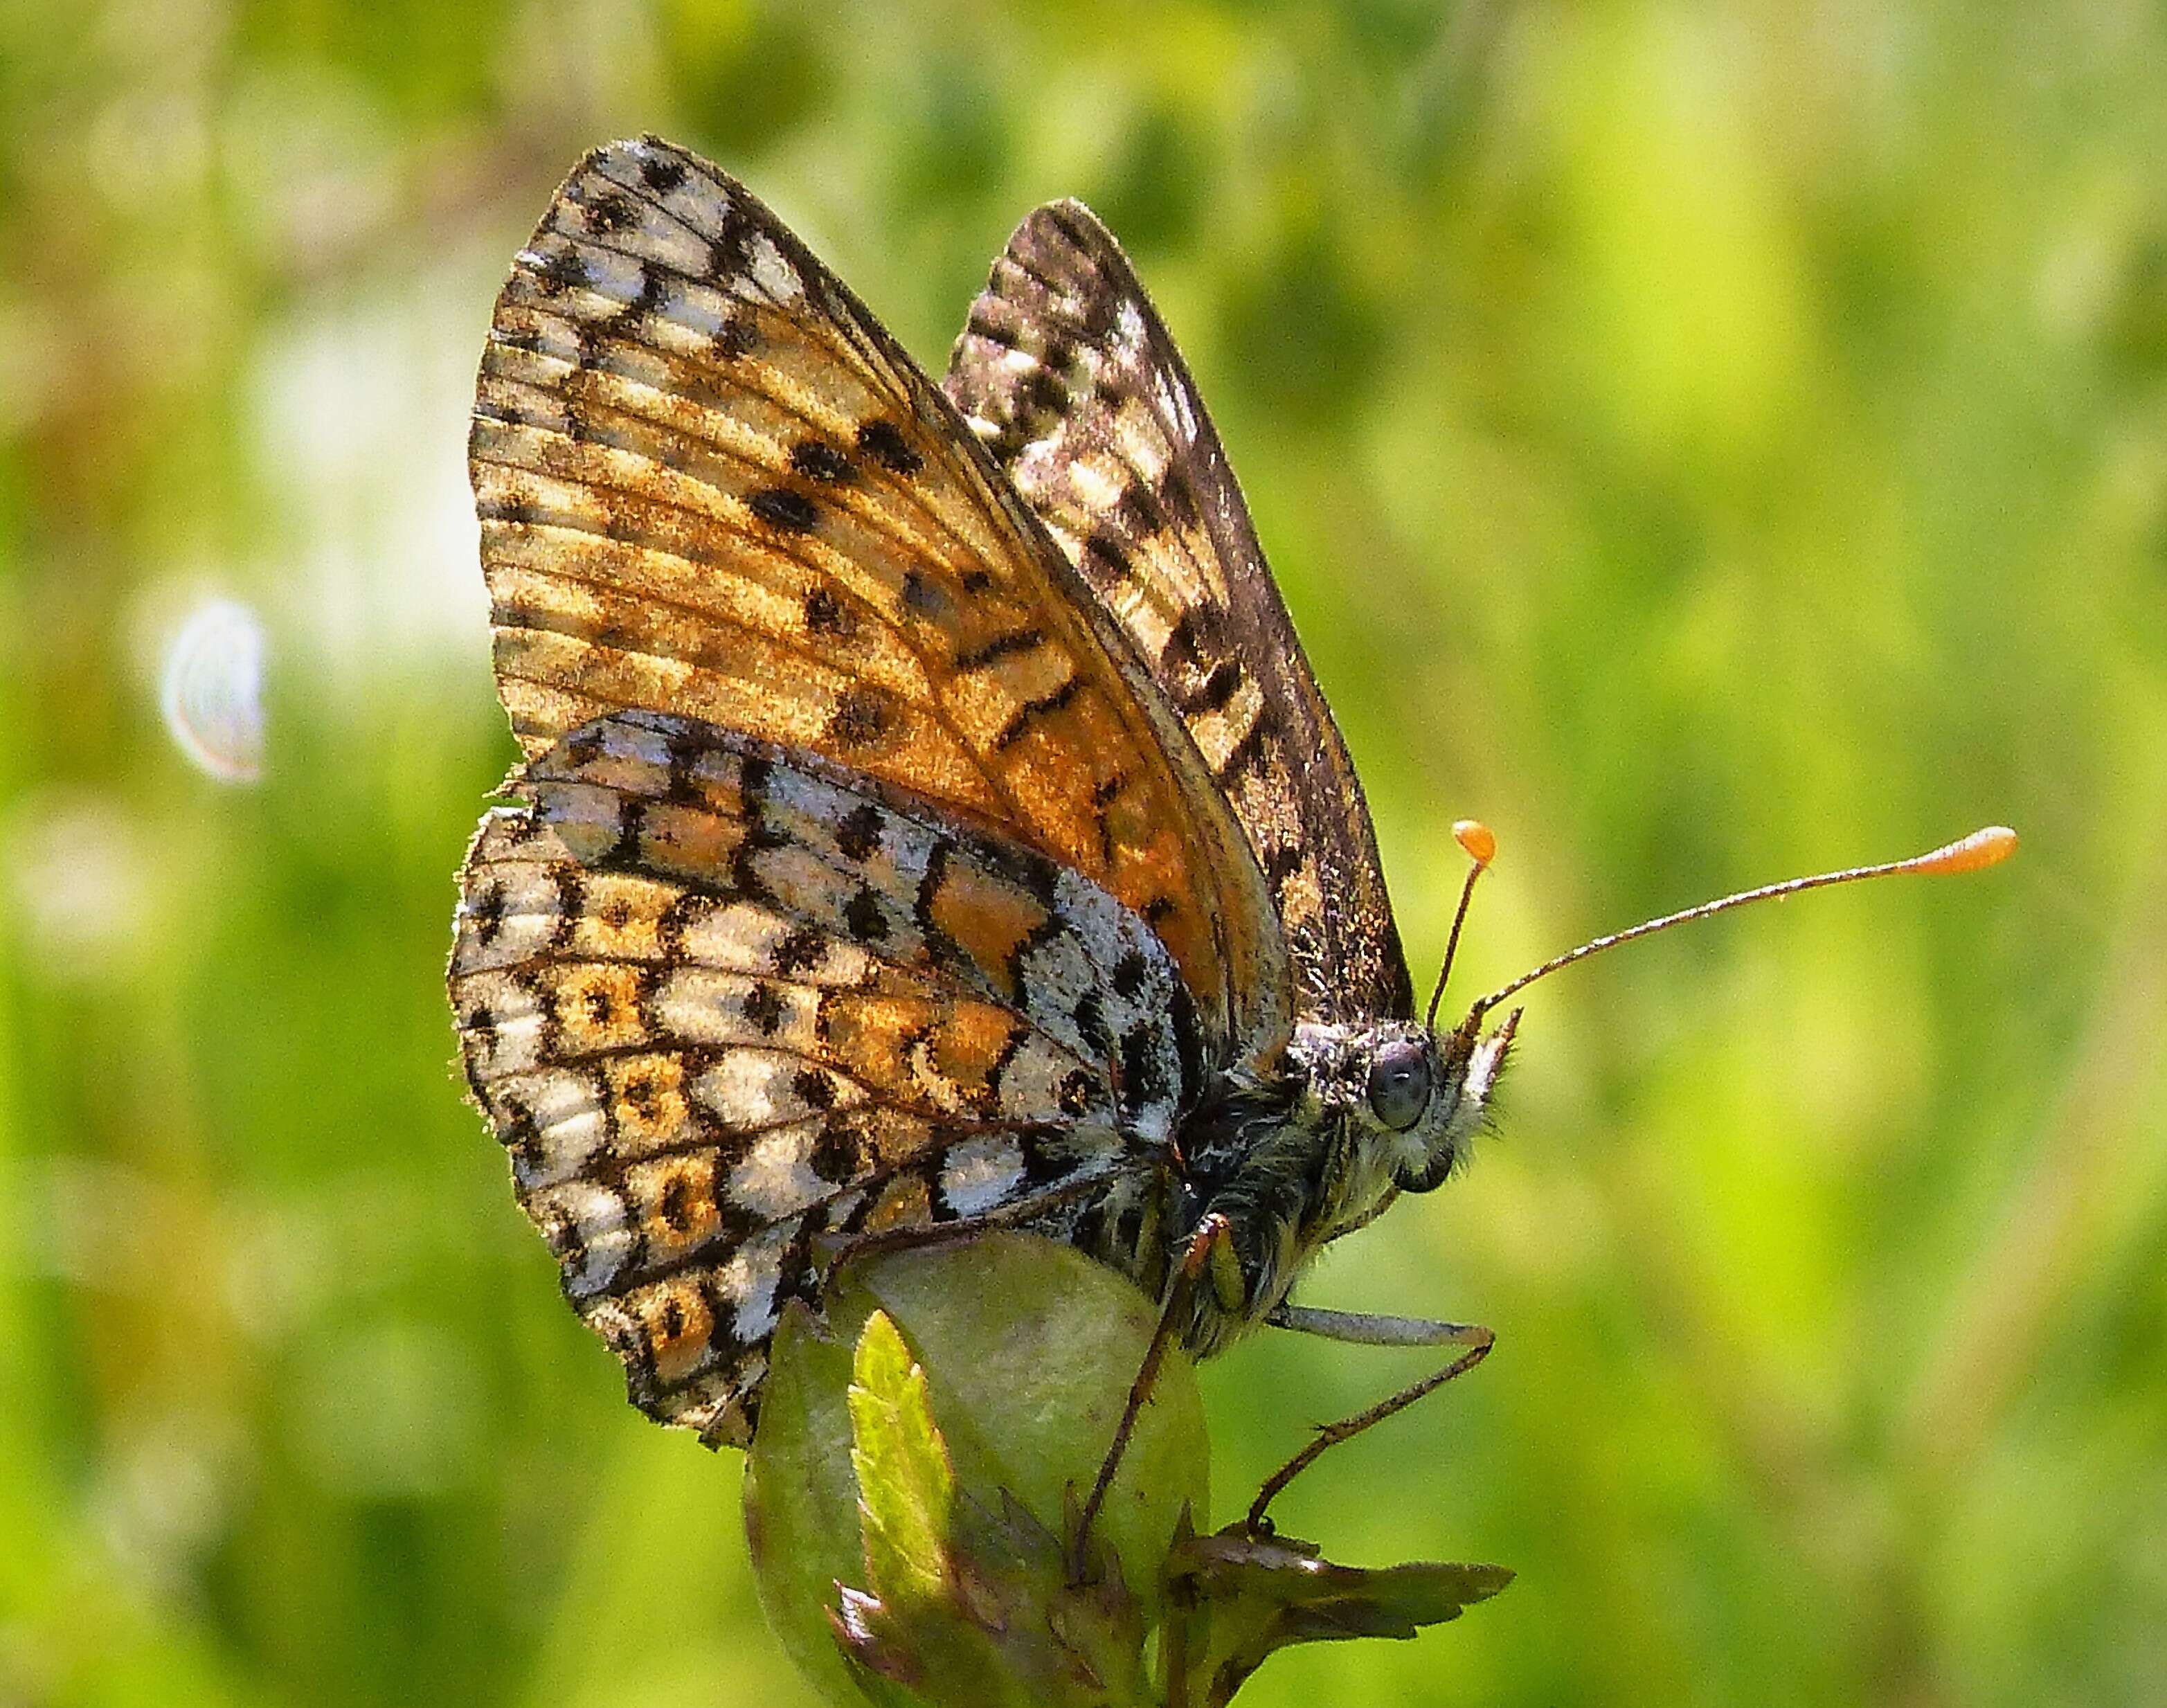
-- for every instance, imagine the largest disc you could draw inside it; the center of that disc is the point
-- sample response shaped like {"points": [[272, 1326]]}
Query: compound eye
{"points": [[1399, 1084]]}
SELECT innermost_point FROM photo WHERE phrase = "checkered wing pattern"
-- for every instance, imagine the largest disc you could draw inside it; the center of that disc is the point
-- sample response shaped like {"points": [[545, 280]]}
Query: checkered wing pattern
{"points": [[861, 875], [711, 484], [1067, 375], [729, 1006]]}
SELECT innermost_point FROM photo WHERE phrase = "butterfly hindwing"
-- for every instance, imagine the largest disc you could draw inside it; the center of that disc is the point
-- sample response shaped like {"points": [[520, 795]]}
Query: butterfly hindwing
{"points": [[1068, 376], [728, 1007], [711, 484]]}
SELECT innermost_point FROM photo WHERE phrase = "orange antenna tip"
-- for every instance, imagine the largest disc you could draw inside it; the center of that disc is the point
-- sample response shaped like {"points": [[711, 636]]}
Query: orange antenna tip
{"points": [[1987, 847], [1480, 843], [1973, 853]]}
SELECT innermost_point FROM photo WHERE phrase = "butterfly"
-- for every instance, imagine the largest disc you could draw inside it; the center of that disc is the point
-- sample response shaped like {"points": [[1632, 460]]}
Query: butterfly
{"points": [[928, 816]]}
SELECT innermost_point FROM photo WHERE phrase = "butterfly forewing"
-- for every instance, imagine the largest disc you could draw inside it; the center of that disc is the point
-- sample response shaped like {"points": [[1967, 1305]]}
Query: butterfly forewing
{"points": [[727, 1007], [711, 485], [1067, 375]]}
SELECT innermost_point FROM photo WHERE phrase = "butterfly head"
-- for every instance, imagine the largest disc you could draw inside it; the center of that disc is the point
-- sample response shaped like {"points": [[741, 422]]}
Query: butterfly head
{"points": [[1408, 1100], [1425, 1094]]}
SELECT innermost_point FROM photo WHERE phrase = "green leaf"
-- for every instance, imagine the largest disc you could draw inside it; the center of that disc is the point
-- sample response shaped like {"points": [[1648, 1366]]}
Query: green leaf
{"points": [[801, 1509], [1250, 1595], [906, 1487]]}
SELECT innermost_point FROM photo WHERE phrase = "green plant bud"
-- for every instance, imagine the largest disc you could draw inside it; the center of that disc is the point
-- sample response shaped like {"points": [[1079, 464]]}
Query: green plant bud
{"points": [[911, 1490]]}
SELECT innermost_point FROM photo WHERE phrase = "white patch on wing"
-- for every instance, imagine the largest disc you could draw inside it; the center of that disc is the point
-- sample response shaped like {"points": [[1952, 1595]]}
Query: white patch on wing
{"points": [[1057, 972], [653, 234], [585, 817], [749, 1279], [607, 274], [695, 198], [1094, 486], [752, 1088], [690, 317], [1030, 1084], [801, 882], [981, 1174], [1174, 405], [518, 1022], [772, 272], [568, 1119], [525, 912], [700, 1005], [1142, 440], [741, 937], [1143, 619], [593, 1217], [775, 1178], [842, 1206], [1219, 732]]}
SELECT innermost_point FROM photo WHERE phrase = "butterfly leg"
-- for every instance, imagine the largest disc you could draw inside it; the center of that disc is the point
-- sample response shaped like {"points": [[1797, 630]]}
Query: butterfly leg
{"points": [[1366, 1330], [1209, 1250]]}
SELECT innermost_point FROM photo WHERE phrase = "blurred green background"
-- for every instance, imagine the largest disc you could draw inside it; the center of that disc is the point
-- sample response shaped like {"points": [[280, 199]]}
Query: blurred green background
{"points": [[1706, 443]]}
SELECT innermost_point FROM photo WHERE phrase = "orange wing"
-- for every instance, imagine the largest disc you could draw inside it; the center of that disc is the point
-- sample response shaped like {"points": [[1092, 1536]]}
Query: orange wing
{"points": [[711, 484]]}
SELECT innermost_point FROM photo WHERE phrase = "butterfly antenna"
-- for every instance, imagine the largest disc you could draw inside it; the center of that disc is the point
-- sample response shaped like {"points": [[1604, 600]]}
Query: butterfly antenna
{"points": [[1481, 842], [1982, 848]]}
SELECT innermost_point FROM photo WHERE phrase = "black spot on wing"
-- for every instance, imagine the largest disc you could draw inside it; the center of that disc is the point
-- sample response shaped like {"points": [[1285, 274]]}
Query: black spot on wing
{"points": [[862, 715], [1020, 719], [883, 441], [1104, 558], [729, 252], [1090, 1015], [1282, 859], [864, 917], [1075, 1095], [612, 210], [486, 913], [678, 1210], [1218, 686], [922, 595], [798, 951], [563, 270], [999, 1066], [928, 887], [1138, 511], [661, 173], [1001, 646], [819, 460], [858, 834], [786, 508], [764, 1010], [825, 613], [814, 1088]]}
